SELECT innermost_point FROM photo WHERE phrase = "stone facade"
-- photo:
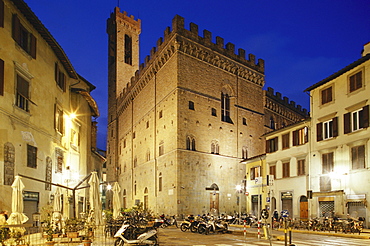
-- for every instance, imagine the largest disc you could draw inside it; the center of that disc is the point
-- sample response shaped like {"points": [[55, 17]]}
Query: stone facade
{"points": [[181, 124], [45, 112]]}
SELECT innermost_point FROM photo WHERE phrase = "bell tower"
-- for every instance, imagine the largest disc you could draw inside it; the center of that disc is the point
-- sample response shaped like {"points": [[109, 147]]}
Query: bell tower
{"points": [[123, 61]]}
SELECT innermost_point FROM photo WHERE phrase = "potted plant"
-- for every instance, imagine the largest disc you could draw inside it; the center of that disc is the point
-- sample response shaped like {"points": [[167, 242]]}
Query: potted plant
{"points": [[4, 235], [18, 236], [72, 227], [88, 230]]}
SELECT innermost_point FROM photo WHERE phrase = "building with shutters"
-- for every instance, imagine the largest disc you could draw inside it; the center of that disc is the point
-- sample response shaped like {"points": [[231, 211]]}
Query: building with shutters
{"points": [[340, 142], [287, 161], [47, 130]]}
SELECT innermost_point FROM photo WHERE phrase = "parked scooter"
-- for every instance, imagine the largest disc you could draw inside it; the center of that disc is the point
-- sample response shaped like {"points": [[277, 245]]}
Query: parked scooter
{"points": [[169, 222], [213, 225], [187, 223], [134, 235]]}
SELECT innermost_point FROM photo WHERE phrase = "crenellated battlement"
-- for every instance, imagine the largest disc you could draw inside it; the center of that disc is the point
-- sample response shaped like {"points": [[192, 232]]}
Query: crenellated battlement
{"points": [[284, 101], [123, 15], [178, 26], [187, 41]]}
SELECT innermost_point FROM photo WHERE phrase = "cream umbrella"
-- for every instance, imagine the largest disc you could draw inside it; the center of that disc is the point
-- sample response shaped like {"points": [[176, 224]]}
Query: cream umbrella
{"points": [[94, 198], [17, 216], [116, 200]]}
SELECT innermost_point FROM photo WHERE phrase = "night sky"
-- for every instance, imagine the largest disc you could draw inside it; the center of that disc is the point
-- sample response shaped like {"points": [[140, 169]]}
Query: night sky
{"points": [[302, 42]]}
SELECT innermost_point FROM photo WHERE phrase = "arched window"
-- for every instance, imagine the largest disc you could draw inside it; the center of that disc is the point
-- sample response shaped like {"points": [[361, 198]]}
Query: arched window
{"points": [[188, 140], [215, 149], [190, 143]]}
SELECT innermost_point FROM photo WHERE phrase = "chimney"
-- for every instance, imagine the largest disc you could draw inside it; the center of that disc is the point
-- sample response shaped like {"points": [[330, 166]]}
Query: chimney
{"points": [[366, 49]]}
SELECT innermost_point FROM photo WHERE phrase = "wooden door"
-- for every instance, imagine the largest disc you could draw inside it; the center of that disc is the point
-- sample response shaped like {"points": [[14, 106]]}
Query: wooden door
{"points": [[303, 210]]}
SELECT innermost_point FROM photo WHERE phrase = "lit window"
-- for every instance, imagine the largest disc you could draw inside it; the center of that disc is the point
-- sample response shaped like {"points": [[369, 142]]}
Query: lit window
{"points": [[300, 136], [255, 172]]}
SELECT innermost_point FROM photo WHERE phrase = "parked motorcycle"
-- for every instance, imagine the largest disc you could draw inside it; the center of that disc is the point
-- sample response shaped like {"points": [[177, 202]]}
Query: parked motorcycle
{"points": [[134, 235], [168, 222], [188, 223], [213, 225]]}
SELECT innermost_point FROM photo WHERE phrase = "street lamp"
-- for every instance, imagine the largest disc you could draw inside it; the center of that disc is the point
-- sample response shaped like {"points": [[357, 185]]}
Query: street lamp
{"points": [[239, 190]]}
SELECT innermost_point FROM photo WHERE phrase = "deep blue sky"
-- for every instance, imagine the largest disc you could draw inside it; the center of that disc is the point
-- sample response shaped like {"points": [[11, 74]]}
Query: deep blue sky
{"points": [[302, 42]]}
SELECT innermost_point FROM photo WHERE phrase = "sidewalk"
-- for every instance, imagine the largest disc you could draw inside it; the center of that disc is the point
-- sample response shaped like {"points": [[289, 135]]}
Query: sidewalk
{"points": [[278, 234]]}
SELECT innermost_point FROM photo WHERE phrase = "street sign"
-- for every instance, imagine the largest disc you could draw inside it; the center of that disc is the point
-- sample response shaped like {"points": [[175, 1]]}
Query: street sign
{"points": [[264, 213], [258, 180], [267, 199], [284, 213]]}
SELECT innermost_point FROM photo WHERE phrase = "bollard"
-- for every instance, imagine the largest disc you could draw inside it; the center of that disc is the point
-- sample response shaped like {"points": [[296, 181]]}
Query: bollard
{"points": [[285, 233], [245, 229], [258, 230], [290, 236]]}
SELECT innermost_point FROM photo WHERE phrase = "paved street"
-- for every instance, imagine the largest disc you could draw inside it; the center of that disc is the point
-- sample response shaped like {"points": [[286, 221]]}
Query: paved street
{"points": [[173, 237]]}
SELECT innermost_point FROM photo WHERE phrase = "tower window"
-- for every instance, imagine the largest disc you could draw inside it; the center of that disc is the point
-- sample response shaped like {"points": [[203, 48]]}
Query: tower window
{"points": [[191, 105], [214, 112], [128, 49]]}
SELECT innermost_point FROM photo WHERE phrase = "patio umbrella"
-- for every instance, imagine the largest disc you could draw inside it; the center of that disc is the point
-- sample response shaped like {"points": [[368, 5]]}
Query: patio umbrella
{"points": [[17, 216], [66, 205], [94, 198], [116, 201]]}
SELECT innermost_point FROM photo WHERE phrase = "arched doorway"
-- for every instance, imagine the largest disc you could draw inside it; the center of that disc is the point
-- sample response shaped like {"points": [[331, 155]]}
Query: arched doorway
{"points": [[303, 208]]}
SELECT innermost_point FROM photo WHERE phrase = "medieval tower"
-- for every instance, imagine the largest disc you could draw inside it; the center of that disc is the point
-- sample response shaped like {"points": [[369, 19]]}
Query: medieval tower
{"points": [[180, 123]]}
